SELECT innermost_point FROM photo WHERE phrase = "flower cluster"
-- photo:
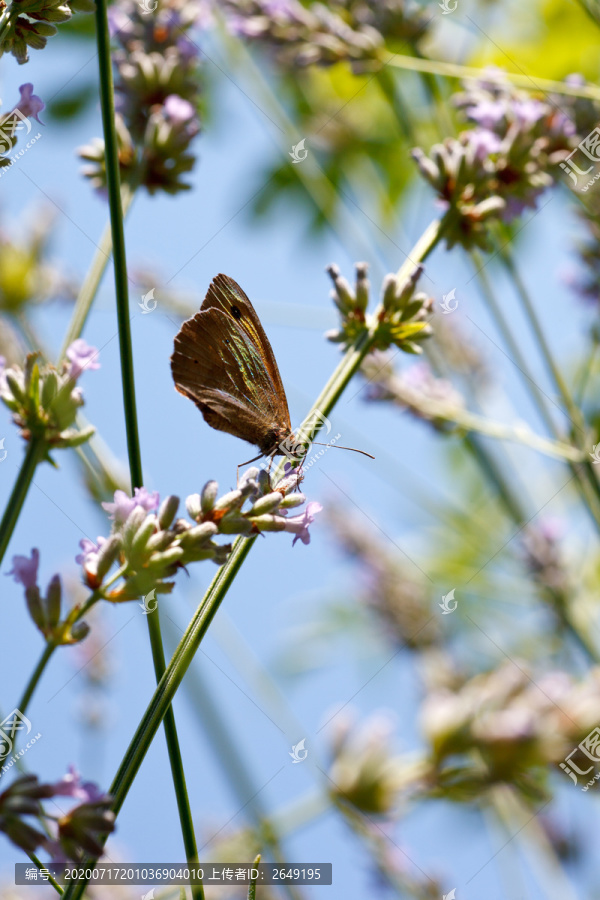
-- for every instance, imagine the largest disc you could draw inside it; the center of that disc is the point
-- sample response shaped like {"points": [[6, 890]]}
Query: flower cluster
{"points": [[75, 834], [14, 121], [401, 320], [401, 604], [363, 772], [44, 399], [499, 167], [542, 554], [416, 390], [29, 23], [46, 611], [157, 95], [26, 276], [504, 726], [323, 34], [150, 544]]}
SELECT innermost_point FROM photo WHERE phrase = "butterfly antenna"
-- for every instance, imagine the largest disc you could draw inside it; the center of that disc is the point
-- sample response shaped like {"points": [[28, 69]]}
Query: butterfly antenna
{"points": [[339, 447]]}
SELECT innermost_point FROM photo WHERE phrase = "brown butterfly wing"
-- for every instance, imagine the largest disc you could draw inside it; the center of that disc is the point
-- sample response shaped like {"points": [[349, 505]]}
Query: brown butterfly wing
{"points": [[218, 365], [225, 294]]}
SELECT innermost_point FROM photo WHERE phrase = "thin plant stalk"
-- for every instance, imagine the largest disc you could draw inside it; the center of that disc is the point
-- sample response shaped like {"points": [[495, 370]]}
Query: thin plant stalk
{"points": [[129, 402], [34, 454]]}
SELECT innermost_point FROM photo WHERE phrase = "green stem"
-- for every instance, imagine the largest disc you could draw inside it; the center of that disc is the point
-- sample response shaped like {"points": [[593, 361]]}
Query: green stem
{"points": [[192, 638], [40, 865], [588, 490], [573, 411], [91, 283], [452, 70], [35, 677], [34, 454], [130, 409]]}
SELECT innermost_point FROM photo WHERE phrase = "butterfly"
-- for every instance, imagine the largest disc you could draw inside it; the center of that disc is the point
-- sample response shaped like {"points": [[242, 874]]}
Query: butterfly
{"points": [[224, 363]]}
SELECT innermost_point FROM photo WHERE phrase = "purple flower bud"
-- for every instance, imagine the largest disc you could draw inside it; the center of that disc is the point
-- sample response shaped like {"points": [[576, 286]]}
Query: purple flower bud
{"points": [[177, 110], [89, 550], [81, 356], [483, 142], [29, 104], [25, 570], [71, 785], [124, 505]]}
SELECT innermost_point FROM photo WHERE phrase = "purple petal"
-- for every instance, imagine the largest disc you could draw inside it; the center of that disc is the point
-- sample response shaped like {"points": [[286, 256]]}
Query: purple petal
{"points": [[25, 570], [29, 104], [81, 356]]}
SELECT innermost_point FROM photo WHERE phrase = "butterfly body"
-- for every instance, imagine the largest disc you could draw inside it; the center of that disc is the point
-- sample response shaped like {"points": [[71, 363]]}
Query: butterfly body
{"points": [[223, 361]]}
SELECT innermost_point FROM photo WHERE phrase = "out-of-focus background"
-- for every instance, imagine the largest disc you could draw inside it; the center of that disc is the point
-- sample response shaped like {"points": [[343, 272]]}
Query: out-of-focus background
{"points": [[298, 646]]}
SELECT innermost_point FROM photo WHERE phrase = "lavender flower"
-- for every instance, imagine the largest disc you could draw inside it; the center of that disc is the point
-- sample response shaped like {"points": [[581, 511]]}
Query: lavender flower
{"points": [[25, 569], [298, 525], [46, 610], [157, 95], [30, 104], [123, 505], [71, 785], [501, 167], [150, 544], [300, 35], [81, 356], [44, 400], [36, 24]]}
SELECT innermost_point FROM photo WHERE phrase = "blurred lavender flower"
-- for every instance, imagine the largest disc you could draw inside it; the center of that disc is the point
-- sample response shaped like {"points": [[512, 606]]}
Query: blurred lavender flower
{"points": [[81, 356], [501, 167], [71, 785], [506, 725], [75, 833], [402, 605], [415, 389], [13, 122], [157, 92], [317, 34], [363, 772], [36, 25], [25, 570]]}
